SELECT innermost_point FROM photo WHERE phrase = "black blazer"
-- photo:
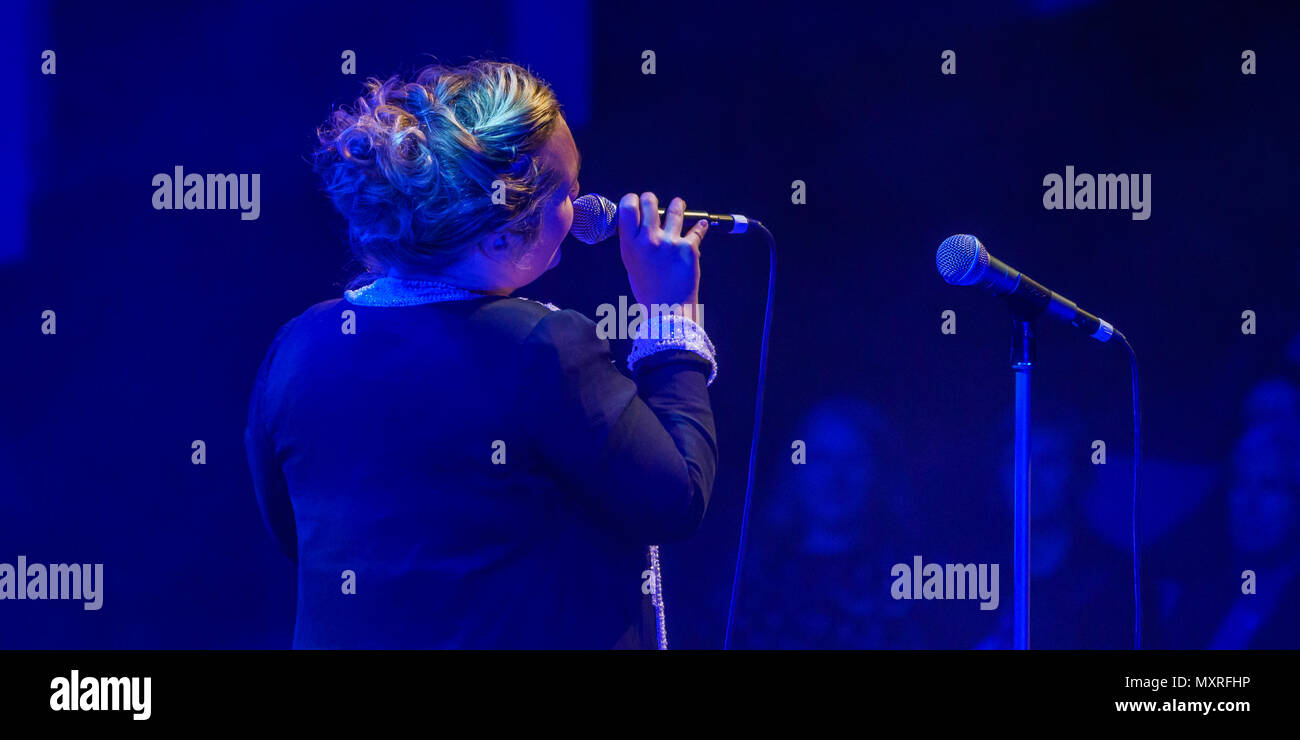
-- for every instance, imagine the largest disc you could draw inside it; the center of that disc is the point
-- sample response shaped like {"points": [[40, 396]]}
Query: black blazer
{"points": [[377, 459]]}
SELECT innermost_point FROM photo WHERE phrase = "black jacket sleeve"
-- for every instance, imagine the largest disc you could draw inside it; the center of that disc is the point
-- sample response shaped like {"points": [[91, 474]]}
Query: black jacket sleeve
{"points": [[268, 478], [643, 454]]}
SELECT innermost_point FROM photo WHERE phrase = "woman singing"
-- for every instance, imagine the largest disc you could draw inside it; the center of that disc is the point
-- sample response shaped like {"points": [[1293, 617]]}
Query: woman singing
{"points": [[448, 465]]}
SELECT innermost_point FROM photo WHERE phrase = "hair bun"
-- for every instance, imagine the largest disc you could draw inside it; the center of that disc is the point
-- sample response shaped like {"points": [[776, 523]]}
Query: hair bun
{"points": [[413, 165]]}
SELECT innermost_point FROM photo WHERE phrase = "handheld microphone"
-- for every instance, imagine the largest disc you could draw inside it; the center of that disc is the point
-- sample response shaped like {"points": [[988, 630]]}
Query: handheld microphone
{"points": [[595, 219], [963, 260]]}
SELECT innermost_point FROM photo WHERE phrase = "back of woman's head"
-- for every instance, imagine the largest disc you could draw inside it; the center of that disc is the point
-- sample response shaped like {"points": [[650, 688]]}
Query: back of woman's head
{"points": [[414, 166]]}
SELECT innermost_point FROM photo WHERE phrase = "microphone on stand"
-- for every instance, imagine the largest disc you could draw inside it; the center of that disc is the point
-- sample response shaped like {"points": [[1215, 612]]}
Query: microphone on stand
{"points": [[963, 260]]}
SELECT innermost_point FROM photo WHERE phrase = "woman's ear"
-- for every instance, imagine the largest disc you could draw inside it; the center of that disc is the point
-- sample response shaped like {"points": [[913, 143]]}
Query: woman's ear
{"points": [[496, 246], [505, 247]]}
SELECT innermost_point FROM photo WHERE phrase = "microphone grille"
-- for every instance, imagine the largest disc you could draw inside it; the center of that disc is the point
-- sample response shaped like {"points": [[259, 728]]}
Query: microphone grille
{"points": [[595, 218], [961, 259]]}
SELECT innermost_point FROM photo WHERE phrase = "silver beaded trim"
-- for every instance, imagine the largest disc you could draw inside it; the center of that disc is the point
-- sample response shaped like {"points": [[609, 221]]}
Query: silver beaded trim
{"points": [[391, 291], [673, 331], [657, 598]]}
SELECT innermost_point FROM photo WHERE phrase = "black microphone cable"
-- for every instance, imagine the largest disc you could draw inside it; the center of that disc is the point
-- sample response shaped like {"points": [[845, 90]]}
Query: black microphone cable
{"points": [[594, 220], [758, 421], [1137, 469]]}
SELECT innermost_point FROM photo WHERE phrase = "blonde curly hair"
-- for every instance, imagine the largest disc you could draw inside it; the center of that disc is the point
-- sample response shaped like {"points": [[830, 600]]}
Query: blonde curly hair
{"points": [[413, 165]]}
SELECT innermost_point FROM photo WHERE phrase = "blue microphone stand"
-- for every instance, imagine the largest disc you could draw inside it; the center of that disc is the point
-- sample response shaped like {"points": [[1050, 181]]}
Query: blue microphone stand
{"points": [[1022, 364]]}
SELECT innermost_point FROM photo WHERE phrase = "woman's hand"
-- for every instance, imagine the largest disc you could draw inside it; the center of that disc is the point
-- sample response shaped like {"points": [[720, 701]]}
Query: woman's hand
{"points": [[663, 266]]}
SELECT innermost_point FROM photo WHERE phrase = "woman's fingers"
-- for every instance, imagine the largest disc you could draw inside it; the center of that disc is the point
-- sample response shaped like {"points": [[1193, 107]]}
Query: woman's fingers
{"points": [[638, 217], [696, 234], [649, 213], [673, 219], [629, 215]]}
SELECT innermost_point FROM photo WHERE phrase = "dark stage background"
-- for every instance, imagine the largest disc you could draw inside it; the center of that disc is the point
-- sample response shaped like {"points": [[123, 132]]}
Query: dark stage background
{"points": [[163, 316]]}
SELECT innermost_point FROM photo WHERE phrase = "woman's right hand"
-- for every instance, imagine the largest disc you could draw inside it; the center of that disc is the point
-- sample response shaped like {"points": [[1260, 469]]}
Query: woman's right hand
{"points": [[663, 265]]}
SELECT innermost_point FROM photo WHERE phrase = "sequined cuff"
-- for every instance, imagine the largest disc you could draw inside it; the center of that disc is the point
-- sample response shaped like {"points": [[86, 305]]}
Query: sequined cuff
{"points": [[672, 332]]}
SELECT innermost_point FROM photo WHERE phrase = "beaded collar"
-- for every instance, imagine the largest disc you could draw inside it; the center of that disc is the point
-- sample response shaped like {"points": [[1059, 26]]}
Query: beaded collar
{"points": [[393, 291]]}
